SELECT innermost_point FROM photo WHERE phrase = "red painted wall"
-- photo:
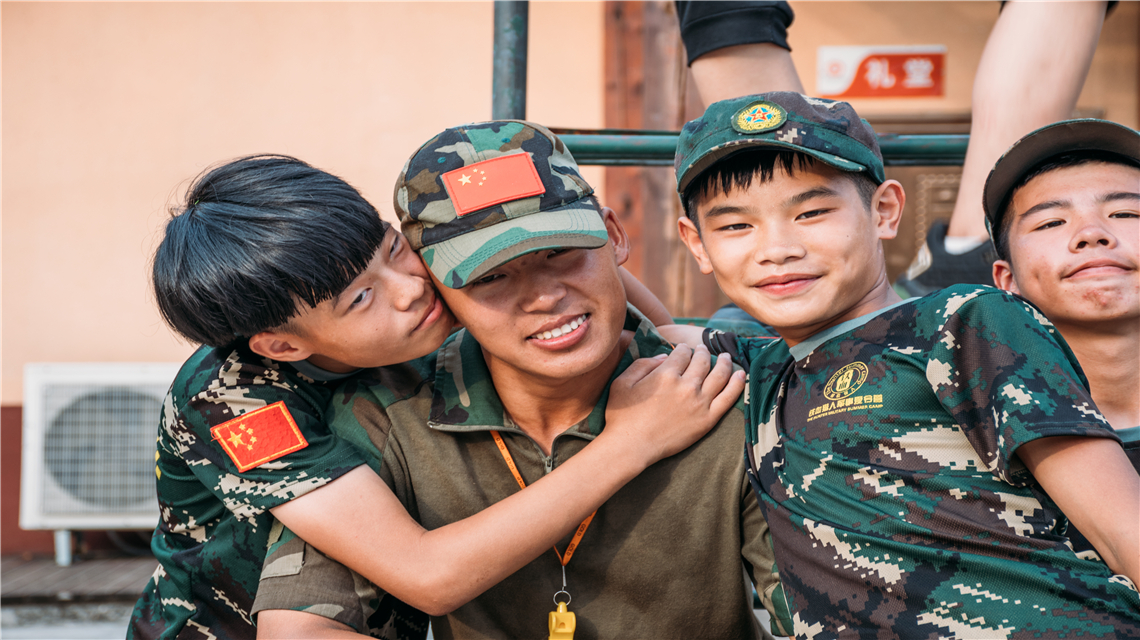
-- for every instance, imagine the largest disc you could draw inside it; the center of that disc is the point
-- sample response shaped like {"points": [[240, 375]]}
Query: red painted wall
{"points": [[13, 539]]}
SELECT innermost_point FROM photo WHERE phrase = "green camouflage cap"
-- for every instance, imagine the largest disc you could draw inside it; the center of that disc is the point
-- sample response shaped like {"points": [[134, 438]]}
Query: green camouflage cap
{"points": [[1067, 136], [827, 130], [477, 196]]}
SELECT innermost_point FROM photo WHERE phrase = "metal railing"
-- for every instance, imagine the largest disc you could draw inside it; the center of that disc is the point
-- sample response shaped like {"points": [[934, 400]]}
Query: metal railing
{"points": [[656, 148], [612, 147]]}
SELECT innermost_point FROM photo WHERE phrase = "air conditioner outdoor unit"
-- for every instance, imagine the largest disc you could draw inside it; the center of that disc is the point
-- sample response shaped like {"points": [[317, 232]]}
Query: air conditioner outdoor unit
{"points": [[89, 447]]}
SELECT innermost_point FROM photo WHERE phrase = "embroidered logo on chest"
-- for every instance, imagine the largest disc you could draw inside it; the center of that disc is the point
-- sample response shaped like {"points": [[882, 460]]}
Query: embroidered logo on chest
{"points": [[846, 381], [839, 393]]}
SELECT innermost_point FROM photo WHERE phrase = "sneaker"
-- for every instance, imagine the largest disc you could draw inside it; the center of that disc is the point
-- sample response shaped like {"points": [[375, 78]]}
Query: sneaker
{"points": [[933, 268]]}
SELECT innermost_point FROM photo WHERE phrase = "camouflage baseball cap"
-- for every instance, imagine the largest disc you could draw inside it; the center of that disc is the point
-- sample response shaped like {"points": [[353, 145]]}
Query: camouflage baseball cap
{"points": [[827, 130], [477, 196], [1067, 136]]}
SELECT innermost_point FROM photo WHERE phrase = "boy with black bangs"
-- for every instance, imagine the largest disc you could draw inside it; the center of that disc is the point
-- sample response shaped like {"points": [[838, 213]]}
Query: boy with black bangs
{"points": [[915, 460], [293, 283]]}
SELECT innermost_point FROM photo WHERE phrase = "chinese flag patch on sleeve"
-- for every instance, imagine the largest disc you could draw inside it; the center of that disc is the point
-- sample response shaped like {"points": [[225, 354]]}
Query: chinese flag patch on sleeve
{"points": [[490, 182], [260, 436]]}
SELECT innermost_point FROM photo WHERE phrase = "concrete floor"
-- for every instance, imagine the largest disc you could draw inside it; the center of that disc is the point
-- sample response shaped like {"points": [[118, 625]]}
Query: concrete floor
{"points": [[104, 621], [114, 581], [94, 622], [90, 600]]}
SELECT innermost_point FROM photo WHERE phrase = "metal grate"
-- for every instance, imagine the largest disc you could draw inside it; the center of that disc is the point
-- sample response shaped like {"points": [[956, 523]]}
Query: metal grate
{"points": [[937, 193], [99, 448]]}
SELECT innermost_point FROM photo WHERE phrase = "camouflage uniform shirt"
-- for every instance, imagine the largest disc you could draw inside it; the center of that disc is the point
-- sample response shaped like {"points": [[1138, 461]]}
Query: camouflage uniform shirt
{"points": [[665, 557], [883, 454], [215, 521]]}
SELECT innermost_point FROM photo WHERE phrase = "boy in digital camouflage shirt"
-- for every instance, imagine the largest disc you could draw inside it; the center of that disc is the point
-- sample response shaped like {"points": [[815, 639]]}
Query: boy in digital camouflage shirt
{"points": [[292, 282], [1063, 208], [242, 428], [916, 460]]}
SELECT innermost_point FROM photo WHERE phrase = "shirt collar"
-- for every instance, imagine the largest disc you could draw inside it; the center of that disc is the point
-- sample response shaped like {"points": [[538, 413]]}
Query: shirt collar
{"points": [[464, 399], [804, 349], [310, 370]]}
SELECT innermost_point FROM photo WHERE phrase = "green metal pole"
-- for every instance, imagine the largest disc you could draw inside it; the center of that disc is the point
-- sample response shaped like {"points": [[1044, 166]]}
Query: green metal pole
{"points": [[508, 80], [658, 148]]}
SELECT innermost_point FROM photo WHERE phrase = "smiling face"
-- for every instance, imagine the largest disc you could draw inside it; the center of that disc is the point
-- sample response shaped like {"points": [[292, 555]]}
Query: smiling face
{"points": [[550, 316], [1073, 244], [800, 252], [389, 314]]}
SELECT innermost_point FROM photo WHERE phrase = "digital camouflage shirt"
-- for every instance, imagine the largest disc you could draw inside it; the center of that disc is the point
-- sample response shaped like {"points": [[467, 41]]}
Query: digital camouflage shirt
{"points": [[883, 452], [215, 522]]}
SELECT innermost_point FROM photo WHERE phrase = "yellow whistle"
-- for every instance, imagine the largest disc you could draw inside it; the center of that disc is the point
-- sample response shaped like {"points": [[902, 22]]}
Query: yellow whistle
{"points": [[562, 623]]}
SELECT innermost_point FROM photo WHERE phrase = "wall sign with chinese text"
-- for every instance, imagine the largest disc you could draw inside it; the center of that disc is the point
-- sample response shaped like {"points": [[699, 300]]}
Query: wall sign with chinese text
{"points": [[880, 72]]}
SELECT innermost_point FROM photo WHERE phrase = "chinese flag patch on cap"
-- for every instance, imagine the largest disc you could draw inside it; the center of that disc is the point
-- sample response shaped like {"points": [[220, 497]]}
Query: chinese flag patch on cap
{"points": [[260, 436], [490, 182]]}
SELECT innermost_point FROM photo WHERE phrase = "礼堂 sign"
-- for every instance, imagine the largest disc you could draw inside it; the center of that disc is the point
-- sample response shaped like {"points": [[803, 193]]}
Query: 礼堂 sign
{"points": [[880, 72]]}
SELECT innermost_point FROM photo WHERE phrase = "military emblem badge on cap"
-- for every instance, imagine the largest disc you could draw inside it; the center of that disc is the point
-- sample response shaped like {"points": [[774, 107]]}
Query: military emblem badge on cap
{"points": [[827, 130], [479, 195], [1038, 146]]}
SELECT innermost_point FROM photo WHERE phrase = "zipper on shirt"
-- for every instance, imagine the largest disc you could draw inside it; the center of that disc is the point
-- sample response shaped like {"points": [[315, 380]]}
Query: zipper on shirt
{"points": [[547, 460]]}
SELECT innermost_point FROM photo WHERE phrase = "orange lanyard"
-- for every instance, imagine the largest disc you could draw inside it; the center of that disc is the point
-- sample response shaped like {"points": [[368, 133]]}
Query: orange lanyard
{"points": [[564, 559]]}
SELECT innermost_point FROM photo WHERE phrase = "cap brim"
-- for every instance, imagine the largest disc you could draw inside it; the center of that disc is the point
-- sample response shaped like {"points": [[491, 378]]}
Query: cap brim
{"points": [[1046, 142], [736, 146], [461, 260]]}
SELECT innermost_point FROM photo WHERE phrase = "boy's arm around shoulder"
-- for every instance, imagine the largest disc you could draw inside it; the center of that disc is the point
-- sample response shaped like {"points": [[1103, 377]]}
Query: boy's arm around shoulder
{"points": [[644, 300], [682, 333], [360, 522], [742, 349]]}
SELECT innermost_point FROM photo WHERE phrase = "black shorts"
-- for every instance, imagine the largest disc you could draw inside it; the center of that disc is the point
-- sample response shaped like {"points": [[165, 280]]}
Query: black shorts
{"points": [[707, 26]]}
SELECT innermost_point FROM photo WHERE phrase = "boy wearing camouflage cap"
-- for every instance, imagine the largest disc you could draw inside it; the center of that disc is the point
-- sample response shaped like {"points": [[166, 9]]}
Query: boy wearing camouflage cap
{"points": [[915, 459], [528, 261], [292, 282], [1062, 206]]}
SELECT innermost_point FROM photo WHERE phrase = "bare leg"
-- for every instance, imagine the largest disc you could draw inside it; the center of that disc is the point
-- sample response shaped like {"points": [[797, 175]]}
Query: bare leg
{"points": [[743, 70], [1030, 75]]}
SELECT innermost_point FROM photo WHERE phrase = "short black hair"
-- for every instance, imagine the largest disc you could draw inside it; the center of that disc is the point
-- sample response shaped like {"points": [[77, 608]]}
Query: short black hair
{"points": [[1052, 163], [738, 170], [255, 237]]}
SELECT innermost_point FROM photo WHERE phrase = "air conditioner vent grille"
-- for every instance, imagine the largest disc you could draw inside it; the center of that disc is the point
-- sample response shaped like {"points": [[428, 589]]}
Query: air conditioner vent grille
{"points": [[99, 447], [88, 459]]}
